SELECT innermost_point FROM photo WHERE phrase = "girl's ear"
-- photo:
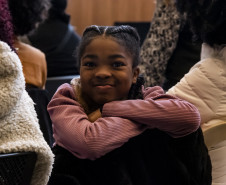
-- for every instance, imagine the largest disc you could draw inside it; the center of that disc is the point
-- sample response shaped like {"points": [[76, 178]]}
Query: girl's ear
{"points": [[136, 72]]}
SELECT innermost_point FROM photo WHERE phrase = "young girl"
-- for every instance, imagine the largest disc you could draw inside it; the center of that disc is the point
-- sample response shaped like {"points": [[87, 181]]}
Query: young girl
{"points": [[98, 116]]}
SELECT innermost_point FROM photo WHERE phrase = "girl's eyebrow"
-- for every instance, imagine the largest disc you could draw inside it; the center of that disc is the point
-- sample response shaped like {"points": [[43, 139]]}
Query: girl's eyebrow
{"points": [[116, 56], [90, 56], [110, 57]]}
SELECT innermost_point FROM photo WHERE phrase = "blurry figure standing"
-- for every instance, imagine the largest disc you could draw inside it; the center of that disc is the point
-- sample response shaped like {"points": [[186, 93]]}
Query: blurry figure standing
{"points": [[57, 38]]}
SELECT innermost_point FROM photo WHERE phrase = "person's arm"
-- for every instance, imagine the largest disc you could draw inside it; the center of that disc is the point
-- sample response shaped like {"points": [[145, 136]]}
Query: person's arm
{"points": [[73, 131], [158, 110]]}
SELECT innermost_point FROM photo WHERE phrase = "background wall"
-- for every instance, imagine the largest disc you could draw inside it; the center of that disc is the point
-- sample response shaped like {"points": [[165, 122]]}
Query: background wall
{"points": [[105, 12]]}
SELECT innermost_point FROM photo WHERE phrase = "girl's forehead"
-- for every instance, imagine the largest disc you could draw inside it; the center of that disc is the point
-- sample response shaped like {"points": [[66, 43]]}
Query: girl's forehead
{"points": [[106, 48]]}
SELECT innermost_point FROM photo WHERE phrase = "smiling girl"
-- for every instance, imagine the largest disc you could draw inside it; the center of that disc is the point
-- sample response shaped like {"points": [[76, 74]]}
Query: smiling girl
{"points": [[94, 116]]}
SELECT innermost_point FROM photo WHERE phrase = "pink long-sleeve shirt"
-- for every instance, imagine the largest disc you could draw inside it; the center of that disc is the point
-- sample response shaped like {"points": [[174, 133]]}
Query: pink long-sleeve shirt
{"points": [[120, 121]]}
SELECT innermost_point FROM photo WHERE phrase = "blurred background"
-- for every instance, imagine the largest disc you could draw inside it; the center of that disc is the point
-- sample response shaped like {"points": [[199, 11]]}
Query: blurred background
{"points": [[107, 12]]}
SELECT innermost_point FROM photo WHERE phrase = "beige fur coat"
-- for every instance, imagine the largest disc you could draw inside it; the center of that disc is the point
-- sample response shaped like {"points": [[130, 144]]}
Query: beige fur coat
{"points": [[19, 127]]}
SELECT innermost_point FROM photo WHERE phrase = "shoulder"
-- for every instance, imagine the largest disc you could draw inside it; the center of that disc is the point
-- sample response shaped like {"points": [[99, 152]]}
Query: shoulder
{"points": [[64, 96], [209, 70], [12, 82], [10, 62], [26, 48], [66, 90]]}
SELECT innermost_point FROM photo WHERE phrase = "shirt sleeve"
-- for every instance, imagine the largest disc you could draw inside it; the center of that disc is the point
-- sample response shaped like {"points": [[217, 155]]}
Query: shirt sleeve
{"points": [[158, 110], [73, 131]]}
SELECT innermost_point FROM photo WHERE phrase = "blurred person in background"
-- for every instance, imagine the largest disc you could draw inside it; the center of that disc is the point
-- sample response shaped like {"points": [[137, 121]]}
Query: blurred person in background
{"points": [[168, 51], [26, 15], [205, 84], [57, 38]]}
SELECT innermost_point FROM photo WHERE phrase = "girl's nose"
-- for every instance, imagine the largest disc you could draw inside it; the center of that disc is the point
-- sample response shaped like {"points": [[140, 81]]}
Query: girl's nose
{"points": [[103, 72]]}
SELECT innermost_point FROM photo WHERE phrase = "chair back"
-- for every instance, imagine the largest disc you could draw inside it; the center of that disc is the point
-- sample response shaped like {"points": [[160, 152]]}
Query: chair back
{"points": [[53, 83], [17, 168]]}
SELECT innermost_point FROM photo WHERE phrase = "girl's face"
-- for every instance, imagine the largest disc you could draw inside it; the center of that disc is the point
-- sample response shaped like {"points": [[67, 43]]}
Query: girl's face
{"points": [[106, 71]]}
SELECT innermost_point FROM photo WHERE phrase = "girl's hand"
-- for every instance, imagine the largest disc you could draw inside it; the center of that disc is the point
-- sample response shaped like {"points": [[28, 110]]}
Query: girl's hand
{"points": [[94, 115]]}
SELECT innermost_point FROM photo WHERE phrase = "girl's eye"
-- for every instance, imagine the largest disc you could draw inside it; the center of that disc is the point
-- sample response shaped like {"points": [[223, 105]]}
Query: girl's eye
{"points": [[118, 64], [89, 64]]}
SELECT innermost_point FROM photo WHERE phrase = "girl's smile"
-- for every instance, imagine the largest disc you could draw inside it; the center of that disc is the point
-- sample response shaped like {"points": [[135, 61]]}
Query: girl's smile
{"points": [[104, 88]]}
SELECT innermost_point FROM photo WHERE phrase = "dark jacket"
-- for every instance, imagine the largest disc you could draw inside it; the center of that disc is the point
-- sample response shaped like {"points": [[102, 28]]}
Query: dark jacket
{"points": [[185, 55], [152, 158], [58, 40]]}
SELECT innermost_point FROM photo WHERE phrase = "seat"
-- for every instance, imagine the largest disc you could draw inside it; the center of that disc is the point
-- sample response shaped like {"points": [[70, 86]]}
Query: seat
{"points": [[17, 168], [52, 83]]}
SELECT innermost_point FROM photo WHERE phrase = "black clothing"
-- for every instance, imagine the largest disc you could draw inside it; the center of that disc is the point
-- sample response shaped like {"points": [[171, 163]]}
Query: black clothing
{"points": [[185, 55], [41, 100], [152, 158], [58, 40]]}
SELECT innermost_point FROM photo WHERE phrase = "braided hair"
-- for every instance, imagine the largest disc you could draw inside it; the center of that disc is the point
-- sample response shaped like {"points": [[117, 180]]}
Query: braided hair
{"points": [[125, 35], [207, 19]]}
